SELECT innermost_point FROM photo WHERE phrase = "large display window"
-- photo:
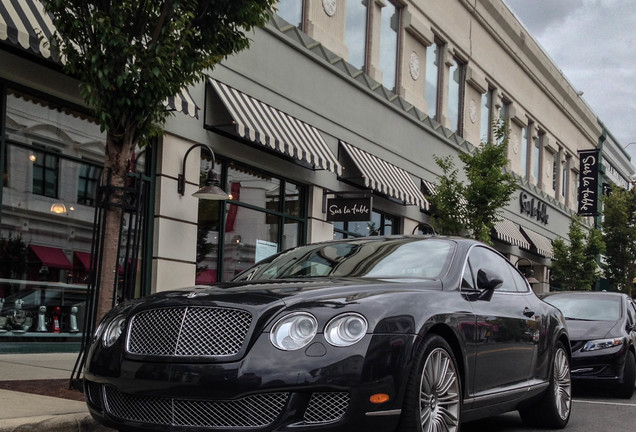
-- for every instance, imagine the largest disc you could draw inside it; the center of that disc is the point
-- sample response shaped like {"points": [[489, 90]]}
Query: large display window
{"points": [[264, 215], [52, 157]]}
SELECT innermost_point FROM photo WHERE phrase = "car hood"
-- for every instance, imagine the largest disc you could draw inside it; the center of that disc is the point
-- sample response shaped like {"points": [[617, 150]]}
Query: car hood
{"points": [[588, 330], [293, 291]]}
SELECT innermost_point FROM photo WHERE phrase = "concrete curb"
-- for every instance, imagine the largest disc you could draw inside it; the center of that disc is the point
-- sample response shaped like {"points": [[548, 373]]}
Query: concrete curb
{"points": [[80, 422]]}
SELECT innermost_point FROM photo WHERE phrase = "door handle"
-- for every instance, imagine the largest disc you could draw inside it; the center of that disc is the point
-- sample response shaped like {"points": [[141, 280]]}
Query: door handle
{"points": [[528, 312]]}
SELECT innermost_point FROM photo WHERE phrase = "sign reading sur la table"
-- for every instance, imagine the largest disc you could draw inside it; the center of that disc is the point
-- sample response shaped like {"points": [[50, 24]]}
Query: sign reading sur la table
{"points": [[349, 209], [588, 182]]}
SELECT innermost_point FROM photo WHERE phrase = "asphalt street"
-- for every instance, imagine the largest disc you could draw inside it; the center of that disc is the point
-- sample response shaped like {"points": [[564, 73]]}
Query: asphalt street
{"points": [[592, 410]]}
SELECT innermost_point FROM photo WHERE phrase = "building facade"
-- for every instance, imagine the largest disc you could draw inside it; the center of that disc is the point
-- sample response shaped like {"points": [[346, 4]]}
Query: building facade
{"points": [[335, 100]]}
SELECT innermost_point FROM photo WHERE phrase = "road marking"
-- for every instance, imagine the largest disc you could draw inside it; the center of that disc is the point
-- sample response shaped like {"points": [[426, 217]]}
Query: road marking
{"points": [[604, 403]]}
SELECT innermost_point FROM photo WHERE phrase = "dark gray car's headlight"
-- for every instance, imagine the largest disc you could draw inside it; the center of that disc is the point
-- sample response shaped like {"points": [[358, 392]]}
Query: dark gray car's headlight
{"points": [[600, 344], [294, 331], [346, 329], [113, 330]]}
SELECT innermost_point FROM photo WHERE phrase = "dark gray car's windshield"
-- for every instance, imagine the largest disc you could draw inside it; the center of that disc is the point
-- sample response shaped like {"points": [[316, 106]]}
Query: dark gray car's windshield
{"points": [[591, 308], [382, 258]]}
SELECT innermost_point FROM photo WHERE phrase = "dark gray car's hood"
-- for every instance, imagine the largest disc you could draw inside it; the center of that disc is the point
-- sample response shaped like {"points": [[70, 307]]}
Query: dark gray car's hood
{"points": [[587, 330]]}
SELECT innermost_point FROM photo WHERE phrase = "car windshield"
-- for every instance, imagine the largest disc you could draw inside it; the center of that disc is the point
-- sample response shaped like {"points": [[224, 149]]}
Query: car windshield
{"points": [[378, 258], [590, 308]]}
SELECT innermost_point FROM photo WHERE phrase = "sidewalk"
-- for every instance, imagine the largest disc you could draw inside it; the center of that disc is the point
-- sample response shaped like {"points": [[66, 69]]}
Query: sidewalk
{"points": [[22, 412]]}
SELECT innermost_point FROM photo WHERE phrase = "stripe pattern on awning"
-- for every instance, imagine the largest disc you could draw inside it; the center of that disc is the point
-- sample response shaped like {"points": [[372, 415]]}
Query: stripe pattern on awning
{"points": [[21, 24], [540, 242], [384, 177], [182, 102], [432, 190], [261, 123], [25, 24], [509, 232]]}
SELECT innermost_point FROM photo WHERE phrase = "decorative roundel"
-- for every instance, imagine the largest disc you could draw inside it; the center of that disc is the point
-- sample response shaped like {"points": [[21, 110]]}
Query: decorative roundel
{"points": [[414, 66], [548, 172], [515, 143], [329, 6], [472, 111]]}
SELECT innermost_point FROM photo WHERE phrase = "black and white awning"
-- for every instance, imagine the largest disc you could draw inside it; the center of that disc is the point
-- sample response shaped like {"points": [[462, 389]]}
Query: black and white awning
{"points": [[509, 232], [383, 177], [263, 124], [25, 24], [540, 242]]}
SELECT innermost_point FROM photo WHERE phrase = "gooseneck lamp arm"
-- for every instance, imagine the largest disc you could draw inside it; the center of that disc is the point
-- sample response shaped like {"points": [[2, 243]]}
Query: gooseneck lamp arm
{"points": [[181, 178]]}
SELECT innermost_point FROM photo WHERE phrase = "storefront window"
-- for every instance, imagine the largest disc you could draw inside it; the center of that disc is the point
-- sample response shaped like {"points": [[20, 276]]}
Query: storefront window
{"points": [[265, 215], [48, 193], [380, 224]]}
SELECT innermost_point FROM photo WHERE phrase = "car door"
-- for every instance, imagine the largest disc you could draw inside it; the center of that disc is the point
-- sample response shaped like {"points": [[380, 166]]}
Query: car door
{"points": [[505, 327]]}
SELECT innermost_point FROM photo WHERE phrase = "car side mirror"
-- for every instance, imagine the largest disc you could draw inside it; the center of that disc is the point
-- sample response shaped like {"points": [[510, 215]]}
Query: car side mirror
{"points": [[488, 280]]}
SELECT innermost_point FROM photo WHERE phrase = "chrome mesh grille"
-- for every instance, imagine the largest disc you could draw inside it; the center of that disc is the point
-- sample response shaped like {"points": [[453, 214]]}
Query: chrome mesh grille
{"points": [[188, 331], [325, 407], [251, 411], [94, 394]]}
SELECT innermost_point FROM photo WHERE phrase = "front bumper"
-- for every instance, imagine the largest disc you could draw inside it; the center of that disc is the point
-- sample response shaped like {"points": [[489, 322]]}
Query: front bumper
{"points": [[317, 388], [602, 366]]}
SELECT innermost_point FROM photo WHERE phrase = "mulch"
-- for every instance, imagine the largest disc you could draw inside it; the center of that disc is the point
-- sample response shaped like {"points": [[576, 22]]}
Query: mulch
{"points": [[46, 387]]}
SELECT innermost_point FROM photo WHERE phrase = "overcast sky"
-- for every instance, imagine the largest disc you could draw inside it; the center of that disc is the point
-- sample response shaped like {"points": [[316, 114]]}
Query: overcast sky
{"points": [[594, 43]]}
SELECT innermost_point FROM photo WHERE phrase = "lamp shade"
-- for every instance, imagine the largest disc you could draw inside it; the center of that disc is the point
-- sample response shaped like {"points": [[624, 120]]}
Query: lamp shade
{"points": [[212, 189]]}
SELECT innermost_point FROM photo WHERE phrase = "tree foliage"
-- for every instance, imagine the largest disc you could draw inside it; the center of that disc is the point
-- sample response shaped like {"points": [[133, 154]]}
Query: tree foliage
{"points": [[473, 208], [574, 265], [619, 235], [130, 56]]}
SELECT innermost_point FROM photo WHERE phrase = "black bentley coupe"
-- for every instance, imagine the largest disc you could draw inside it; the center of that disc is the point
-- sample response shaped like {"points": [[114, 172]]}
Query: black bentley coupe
{"points": [[408, 333]]}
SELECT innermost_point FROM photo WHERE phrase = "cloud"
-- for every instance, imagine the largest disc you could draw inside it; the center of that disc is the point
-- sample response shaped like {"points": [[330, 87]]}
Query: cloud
{"points": [[593, 42]]}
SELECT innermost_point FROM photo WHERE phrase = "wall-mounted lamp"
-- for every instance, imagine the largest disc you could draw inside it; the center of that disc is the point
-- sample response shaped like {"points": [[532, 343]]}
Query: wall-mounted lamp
{"points": [[530, 277], [212, 189], [58, 208]]}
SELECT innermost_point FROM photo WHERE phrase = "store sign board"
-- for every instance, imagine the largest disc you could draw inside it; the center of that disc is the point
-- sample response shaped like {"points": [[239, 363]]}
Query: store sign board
{"points": [[349, 209], [534, 207], [588, 182]]}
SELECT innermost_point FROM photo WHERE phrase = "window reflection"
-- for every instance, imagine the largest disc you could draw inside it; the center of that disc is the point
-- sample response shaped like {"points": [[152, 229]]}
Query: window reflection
{"points": [[264, 215], [380, 224], [455, 95], [291, 11], [389, 30], [433, 56], [356, 32], [486, 115], [49, 189]]}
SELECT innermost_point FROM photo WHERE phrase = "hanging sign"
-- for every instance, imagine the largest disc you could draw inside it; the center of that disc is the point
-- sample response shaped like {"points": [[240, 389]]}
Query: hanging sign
{"points": [[349, 209], [588, 182]]}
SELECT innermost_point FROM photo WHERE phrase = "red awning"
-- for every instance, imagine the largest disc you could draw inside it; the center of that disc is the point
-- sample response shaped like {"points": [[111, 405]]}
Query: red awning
{"points": [[206, 277], [83, 258], [51, 257]]}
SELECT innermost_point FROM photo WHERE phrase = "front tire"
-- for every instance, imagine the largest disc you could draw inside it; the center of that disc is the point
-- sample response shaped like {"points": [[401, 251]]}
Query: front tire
{"points": [[626, 389], [433, 395], [553, 410]]}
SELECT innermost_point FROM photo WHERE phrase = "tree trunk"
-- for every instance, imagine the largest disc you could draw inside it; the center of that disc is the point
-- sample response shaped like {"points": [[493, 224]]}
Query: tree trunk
{"points": [[118, 151]]}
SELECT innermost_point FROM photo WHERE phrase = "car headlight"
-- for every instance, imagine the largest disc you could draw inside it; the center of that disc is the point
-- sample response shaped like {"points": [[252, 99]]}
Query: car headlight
{"points": [[346, 329], [113, 330], [600, 344], [294, 331]]}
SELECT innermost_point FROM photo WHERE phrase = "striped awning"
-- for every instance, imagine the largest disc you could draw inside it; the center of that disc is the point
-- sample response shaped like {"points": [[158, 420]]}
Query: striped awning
{"points": [[509, 232], [383, 177], [432, 190], [540, 242], [263, 124], [21, 24], [25, 24]]}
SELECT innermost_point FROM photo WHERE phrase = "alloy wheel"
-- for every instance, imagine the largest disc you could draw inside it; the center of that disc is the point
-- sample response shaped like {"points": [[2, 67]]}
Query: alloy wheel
{"points": [[562, 384], [439, 393]]}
